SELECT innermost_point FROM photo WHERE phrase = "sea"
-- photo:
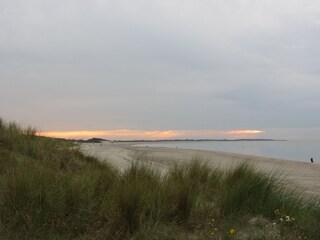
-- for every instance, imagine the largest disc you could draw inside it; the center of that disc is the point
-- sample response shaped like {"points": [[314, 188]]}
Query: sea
{"points": [[296, 150]]}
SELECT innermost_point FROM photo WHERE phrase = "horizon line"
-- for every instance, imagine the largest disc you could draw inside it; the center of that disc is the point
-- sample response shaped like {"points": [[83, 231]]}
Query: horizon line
{"points": [[131, 134]]}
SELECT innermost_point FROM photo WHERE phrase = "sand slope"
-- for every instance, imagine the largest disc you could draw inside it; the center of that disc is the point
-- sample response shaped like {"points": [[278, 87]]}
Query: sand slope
{"points": [[300, 175]]}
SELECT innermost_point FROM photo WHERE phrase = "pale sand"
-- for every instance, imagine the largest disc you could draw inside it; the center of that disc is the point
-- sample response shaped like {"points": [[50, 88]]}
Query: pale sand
{"points": [[304, 176]]}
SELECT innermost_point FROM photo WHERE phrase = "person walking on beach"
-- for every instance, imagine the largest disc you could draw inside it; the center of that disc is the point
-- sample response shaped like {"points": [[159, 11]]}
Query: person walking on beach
{"points": [[311, 160]]}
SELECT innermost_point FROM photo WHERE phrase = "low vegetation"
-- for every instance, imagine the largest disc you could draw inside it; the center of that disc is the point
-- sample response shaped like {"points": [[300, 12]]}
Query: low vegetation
{"points": [[50, 190]]}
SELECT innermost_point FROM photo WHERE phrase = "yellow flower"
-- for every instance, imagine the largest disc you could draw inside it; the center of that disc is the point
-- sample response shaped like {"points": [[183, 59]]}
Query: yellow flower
{"points": [[231, 231]]}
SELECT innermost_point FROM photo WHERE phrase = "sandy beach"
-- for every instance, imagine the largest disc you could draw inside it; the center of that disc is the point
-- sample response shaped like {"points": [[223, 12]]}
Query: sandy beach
{"points": [[298, 175]]}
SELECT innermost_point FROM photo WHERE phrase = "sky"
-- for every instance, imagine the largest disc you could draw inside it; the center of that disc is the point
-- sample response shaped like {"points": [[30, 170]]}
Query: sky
{"points": [[162, 69]]}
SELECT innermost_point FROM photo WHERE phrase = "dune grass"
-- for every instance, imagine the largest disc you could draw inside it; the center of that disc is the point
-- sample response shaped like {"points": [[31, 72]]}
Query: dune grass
{"points": [[50, 190]]}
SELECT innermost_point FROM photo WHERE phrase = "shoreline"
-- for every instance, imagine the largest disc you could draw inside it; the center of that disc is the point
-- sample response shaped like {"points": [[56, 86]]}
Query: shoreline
{"points": [[301, 175], [294, 150]]}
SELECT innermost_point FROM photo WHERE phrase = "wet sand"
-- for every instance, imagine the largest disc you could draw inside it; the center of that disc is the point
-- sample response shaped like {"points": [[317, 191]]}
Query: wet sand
{"points": [[300, 175]]}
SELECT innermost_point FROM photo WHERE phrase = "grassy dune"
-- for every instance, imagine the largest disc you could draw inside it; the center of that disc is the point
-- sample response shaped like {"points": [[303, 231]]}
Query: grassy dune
{"points": [[50, 190]]}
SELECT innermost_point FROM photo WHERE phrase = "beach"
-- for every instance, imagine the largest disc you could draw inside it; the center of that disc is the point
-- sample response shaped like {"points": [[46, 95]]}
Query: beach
{"points": [[303, 176]]}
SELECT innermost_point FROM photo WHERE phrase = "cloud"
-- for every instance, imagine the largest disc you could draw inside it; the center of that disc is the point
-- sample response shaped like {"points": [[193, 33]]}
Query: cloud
{"points": [[133, 134], [160, 64]]}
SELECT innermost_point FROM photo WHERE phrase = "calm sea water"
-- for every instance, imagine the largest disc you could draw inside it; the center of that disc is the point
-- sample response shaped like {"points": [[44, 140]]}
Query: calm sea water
{"points": [[292, 150]]}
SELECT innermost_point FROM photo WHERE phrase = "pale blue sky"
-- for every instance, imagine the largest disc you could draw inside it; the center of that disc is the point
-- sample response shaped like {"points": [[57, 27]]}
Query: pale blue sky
{"points": [[162, 65]]}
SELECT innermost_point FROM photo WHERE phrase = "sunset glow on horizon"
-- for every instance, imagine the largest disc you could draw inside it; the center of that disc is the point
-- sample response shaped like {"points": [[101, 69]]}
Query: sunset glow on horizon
{"points": [[122, 134], [244, 133], [129, 134]]}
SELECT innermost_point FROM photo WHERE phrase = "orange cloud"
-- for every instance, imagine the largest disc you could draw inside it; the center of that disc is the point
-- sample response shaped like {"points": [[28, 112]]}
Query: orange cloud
{"points": [[123, 134], [129, 134], [163, 134], [243, 133], [72, 134]]}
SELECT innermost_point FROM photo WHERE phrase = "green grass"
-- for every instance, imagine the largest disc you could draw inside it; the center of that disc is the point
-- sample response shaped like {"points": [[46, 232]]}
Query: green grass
{"points": [[50, 190]]}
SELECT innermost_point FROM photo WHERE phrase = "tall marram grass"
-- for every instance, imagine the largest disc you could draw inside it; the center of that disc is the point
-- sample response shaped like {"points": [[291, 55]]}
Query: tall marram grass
{"points": [[50, 190], [244, 188]]}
